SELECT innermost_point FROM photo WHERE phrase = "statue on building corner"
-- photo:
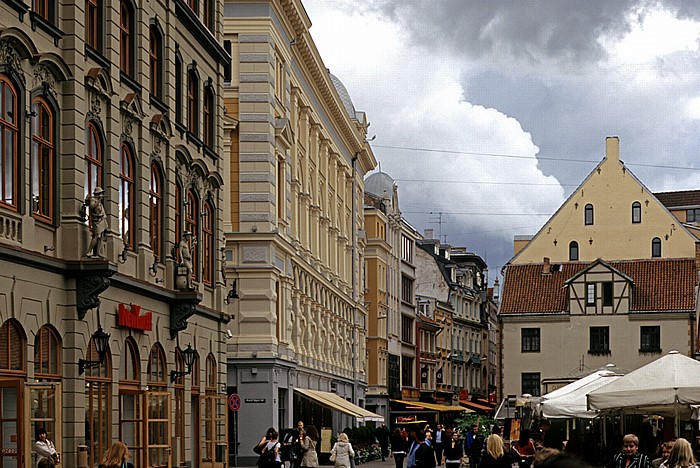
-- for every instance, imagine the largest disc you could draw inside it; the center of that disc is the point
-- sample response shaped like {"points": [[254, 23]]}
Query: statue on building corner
{"points": [[185, 267], [98, 223]]}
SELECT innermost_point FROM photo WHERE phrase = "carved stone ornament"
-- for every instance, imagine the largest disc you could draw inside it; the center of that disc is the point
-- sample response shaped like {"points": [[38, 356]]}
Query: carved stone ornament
{"points": [[9, 55], [89, 286], [95, 106], [44, 77], [184, 307]]}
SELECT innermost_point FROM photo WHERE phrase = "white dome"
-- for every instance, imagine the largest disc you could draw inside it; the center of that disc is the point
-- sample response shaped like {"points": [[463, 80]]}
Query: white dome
{"points": [[344, 95], [379, 183]]}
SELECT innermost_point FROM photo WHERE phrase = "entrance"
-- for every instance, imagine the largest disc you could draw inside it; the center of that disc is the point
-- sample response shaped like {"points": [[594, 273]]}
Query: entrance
{"points": [[11, 444]]}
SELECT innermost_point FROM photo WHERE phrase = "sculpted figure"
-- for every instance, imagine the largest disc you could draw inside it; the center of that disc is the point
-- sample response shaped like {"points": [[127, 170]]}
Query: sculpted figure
{"points": [[186, 243], [98, 223]]}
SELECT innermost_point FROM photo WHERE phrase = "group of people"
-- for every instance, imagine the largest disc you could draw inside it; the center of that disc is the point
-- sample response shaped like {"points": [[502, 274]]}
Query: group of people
{"points": [[117, 456], [673, 454]]}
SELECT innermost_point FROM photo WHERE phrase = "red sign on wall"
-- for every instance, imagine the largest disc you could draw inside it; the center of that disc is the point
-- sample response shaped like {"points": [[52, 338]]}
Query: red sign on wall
{"points": [[131, 318]]}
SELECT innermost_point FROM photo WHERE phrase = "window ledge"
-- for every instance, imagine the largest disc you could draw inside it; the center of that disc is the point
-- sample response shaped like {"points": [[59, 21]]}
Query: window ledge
{"points": [[599, 352], [158, 104], [19, 6], [130, 82], [192, 138], [210, 152], [535, 351], [180, 128], [45, 25], [650, 351], [97, 57]]}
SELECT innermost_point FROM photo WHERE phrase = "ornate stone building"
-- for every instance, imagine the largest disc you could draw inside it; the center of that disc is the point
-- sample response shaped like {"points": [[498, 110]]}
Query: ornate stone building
{"points": [[298, 160], [111, 125]]}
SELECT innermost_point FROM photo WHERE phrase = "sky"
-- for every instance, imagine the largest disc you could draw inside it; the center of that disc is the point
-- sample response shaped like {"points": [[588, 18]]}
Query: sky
{"points": [[489, 114]]}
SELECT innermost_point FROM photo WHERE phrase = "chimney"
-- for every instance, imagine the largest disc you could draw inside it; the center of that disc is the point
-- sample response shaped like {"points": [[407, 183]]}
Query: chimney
{"points": [[546, 267], [496, 290], [612, 148], [428, 233]]}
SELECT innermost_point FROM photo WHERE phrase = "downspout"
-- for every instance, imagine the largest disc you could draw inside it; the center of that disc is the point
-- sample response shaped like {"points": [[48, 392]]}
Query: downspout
{"points": [[353, 275]]}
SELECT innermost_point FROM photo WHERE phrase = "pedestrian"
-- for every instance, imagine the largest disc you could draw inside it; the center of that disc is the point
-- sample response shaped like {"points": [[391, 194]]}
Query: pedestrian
{"points": [[681, 455], [44, 448], [473, 444], [297, 438], [439, 442], [524, 449], [308, 447], [495, 457], [398, 447], [342, 452], [269, 448], [382, 435], [453, 452], [424, 454], [630, 456], [664, 452], [46, 463], [553, 458], [116, 456]]}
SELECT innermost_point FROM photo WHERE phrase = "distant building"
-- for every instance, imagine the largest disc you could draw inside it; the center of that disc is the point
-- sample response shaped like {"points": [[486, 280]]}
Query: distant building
{"points": [[611, 277]]}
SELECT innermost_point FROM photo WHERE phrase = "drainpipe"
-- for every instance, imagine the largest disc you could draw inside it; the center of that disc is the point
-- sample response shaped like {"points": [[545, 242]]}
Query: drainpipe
{"points": [[353, 274]]}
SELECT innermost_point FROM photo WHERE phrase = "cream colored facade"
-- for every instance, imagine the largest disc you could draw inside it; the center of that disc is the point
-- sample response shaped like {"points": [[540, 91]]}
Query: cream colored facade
{"points": [[86, 77], [626, 309], [298, 160]]}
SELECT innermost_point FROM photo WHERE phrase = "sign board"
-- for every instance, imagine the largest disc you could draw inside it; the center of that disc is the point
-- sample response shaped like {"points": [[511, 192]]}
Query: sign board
{"points": [[255, 400], [326, 434], [234, 402], [128, 316]]}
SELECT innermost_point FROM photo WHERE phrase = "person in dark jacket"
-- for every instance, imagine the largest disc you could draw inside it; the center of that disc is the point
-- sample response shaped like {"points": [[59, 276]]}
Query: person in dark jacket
{"points": [[425, 455], [439, 442], [382, 435], [495, 457], [453, 452], [630, 456], [398, 447], [473, 444]]}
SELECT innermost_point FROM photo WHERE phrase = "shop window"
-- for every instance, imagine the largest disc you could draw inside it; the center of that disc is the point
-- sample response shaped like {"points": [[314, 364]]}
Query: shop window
{"points": [[126, 195], [636, 212], [93, 18], [208, 117], [214, 417], [93, 159], [208, 243], [192, 225], [155, 203], [45, 390], [43, 160], [156, 366], [195, 410], [656, 247], [47, 354], [126, 38], [9, 132], [131, 367], [131, 402], [12, 346], [588, 217], [155, 56], [179, 426], [158, 410], [98, 411]]}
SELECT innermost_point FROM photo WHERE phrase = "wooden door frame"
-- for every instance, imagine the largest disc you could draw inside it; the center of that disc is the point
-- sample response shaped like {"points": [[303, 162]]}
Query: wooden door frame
{"points": [[18, 383]]}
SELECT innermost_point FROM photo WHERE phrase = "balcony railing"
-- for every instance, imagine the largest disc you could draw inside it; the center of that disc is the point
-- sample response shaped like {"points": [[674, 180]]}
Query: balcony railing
{"points": [[11, 228]]}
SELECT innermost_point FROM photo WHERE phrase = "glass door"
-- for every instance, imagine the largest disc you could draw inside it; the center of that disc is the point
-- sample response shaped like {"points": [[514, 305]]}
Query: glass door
{"points": [[158, 430], [131, 424], [44, 405], [11, 448]]}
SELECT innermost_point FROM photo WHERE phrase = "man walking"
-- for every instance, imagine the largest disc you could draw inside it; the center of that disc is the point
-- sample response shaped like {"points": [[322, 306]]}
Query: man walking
{"points": [[439, 443], [473, 444]]}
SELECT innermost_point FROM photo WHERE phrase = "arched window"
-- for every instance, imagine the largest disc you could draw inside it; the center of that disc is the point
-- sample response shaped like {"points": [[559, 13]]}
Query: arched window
{"points": [[47, 354], [210, 383], [126, 38], [43, 160], [131, 364], [12, 346], [155, 58], [194, 375], [155, 202], [208, 117], [98, 410], [9, 131], [589, 214], [93, 159], [131, 401], [636, 212], [192, 225], [573, 251], [656, 247], [208, 243], [93, 18], [192, 102], [126, 196], [156, 366]]}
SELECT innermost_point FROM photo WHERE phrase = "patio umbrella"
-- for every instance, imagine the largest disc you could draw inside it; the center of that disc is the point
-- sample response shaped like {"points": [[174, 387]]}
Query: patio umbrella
{"points": [[570, 400]]}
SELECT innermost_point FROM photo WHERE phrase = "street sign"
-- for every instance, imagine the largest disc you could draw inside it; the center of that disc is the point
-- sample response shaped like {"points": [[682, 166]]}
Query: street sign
{"points": [[234, 402]]}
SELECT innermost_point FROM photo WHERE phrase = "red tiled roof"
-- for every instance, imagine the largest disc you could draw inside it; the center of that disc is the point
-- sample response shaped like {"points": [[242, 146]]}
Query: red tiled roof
{"points": [[679, 198], [659, 285], [475, 406]]}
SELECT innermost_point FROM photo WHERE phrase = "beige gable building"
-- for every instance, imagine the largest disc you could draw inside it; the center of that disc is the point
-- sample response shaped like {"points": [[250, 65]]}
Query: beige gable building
{"points": [[610, 278]]}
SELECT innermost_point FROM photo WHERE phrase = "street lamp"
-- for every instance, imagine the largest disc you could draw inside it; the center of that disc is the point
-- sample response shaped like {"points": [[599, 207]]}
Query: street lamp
{"points": [[189, 356], [101, 340]]}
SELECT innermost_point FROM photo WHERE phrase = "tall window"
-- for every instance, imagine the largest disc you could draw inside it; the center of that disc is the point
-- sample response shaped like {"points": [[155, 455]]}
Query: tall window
{"points": [[98, 411], [192, 225], [155, 202], [650, 339], [178, 88], [47, 354], [193, 4], [131, 402], [590, 294], [208, 243], [209, 420], [573, 251], [93, 159], [192, 100], [44, 9], [92, 18], [588, 217], [126, 189], [208, 117], [636, 212], [195, 410], [126, 38], [9, 133], [656, 247], [209, 14], [600, 340], [530, 340], [406, 329], [179, 387], [406, 371], [158, 427], [45, 399], [12, 346], [154, 57], [530, 383], [406, 289], [607, 293], [43, 160]]}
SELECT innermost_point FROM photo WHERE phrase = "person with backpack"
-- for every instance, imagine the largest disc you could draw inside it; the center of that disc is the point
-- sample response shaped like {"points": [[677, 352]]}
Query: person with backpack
{"points": [[269, 448]]}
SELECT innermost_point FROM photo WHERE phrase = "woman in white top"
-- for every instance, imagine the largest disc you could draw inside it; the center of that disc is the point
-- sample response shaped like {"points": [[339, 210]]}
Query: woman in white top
{"points": [[681, 456], [43, 447], [270, 456]]}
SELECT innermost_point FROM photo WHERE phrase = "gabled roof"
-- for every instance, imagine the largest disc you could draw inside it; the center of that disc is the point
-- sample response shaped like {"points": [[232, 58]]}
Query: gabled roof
{"points": [[593, 265], [663, 285], [679, 198]]}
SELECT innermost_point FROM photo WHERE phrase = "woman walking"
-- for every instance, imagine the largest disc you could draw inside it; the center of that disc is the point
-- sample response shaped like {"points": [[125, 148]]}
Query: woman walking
{"points": [[494, 456], [681, 455], [308, 446], [342, 452], [453, 452], [116, 456], [398, 447]]}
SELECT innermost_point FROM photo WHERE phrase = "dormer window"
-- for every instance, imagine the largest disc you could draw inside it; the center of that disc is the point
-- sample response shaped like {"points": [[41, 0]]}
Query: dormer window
{"points": [[588, 216]]}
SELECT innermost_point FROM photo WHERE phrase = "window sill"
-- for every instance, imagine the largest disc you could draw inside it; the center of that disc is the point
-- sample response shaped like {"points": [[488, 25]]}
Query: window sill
{"points": [[180, 128], [97, 57], [530, 351], [650, 351], [45, 25], [19, 6], [158, 104], [210, 152], [192, 138], [130, 82], [599, 352]]}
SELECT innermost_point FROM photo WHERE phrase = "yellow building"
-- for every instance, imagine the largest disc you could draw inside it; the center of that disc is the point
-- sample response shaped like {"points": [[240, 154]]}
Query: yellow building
{"points": [[609, 278], [298, 159]]}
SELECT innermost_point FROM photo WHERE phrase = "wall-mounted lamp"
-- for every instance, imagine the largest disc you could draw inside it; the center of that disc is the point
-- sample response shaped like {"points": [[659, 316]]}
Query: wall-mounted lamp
{"points": [[101, 340], [189, 356], [122, 255], [232, 294]]}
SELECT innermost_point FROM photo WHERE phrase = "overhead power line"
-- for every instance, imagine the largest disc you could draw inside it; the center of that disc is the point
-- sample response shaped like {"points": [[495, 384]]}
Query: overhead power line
{"points": [[476, 182]]}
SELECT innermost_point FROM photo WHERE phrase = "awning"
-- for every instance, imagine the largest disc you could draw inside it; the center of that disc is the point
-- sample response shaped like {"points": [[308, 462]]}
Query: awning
{"points": [[475, 406], [434, 406], [340, 404]]}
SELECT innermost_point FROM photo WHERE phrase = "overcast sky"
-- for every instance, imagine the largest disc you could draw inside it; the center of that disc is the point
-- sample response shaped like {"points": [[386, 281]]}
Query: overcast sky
{"points": [[493, 112]]}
